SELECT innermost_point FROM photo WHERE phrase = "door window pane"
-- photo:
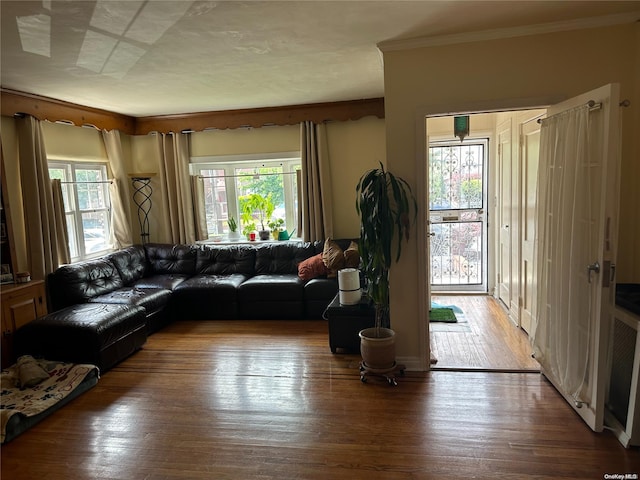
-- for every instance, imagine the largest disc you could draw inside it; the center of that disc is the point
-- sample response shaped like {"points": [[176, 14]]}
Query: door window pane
{"points": [[457, 219], [455, 177]]}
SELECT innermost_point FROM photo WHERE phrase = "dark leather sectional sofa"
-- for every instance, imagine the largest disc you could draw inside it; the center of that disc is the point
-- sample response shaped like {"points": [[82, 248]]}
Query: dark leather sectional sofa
{"points": [[102, 310]]}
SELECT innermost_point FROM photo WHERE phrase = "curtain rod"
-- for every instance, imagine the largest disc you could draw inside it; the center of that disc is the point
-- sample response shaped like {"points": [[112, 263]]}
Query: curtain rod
{"points": [[592, 105], [82, 183], [246, 175]]}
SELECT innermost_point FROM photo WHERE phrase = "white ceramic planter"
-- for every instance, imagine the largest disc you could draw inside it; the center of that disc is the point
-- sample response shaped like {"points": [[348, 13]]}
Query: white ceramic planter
{"points": [[378, 349]]}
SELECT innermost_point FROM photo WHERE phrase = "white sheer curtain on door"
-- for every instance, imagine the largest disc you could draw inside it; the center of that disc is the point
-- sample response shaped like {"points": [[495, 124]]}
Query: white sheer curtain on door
{"points": [[562, 337]]}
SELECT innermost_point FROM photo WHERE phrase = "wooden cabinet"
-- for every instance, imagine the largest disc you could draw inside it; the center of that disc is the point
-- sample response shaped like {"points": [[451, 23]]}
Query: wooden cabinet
{"points": [[21, 303]]}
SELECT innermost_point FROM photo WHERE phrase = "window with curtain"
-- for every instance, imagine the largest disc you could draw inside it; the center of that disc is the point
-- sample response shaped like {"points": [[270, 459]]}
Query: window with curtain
{"points": [[227, 182], [85, 191]]}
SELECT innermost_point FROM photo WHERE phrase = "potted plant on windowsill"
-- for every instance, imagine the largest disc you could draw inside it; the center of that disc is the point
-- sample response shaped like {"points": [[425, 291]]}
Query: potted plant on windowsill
{"points": [[248, 229], [387, 208], [255, 204], [233, 229], [276, 226]]}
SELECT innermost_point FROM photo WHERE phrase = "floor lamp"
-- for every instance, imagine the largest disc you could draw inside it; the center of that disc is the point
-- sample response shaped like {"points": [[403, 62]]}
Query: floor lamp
{"points": [[142, 198]]}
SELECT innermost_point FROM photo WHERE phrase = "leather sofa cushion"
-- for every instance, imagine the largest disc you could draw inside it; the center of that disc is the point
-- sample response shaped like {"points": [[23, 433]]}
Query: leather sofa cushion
{"points": [[96, 333], [166, 282], [273, 288], [131, 263], [282, 258], [208, 297], [226, 260], [222, 286], [79, 282], [276, 310], [321, 289], [151, 299], [176, 259]]}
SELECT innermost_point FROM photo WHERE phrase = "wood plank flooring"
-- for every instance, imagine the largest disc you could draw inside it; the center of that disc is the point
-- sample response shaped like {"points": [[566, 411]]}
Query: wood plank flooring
{"points": [[487, 340], [268, 400]]}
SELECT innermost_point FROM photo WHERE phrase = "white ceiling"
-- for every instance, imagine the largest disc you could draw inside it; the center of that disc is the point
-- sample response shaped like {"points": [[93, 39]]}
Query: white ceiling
{"points": [[153, 57]]}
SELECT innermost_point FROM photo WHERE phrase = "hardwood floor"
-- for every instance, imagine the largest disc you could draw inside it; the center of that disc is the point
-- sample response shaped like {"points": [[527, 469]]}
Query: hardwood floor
{"points": [[268, 400], [485, 340]]}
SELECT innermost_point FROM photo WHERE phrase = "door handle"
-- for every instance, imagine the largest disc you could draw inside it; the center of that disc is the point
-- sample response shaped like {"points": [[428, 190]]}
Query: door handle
{"points": [[594, 267]]}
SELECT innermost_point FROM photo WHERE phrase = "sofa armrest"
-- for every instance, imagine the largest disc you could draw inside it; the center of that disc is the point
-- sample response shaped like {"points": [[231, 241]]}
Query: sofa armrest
{"points": [[79, 282]]}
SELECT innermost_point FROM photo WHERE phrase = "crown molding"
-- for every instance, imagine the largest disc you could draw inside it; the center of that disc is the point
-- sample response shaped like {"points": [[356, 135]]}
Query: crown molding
{"points": [[511, 32], [259, 117], [45, 108]]}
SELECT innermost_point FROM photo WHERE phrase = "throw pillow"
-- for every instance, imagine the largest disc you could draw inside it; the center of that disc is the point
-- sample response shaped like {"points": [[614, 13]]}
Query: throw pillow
{"points": [[312, 267], [333, 257], [352, 256]]}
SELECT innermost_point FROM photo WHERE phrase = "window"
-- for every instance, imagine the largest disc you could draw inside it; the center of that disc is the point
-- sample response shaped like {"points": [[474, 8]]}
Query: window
{"points": [[85, 191], [227, 179]]}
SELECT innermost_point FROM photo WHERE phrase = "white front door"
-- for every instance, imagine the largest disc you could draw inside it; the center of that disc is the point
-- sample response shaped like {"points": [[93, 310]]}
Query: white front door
{"points": [[529, 153], [504, 211], [574, 284], [457, 218]]}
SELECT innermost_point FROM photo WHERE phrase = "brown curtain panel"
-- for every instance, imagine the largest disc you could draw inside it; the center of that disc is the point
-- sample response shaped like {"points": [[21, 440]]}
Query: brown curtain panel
{"points": [[119, 192], [199, 213], [174, 152], [315, 182], [44, 240], [60, 222]]}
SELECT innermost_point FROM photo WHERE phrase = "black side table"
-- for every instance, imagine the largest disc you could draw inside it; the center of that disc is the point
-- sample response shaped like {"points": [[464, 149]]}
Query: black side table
{"points": [[346, 321]]}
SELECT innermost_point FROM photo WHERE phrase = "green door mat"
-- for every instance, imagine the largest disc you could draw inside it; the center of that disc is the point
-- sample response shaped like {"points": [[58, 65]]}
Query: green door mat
{"points": [[445, 315]]}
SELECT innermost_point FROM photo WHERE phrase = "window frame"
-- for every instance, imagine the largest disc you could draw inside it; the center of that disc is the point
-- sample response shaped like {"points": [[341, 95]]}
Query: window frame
{"points": [[289, 161], [77, 235]]}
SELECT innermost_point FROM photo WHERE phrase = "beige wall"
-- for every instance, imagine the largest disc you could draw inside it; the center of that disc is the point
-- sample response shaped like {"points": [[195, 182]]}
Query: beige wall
{"points": [[524, 71], [354, 147], [244, 141], [68, 142]]}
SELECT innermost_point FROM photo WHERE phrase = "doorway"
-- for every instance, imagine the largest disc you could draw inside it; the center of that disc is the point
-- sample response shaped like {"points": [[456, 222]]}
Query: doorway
{"points": [[457, 205], [488, 333]]}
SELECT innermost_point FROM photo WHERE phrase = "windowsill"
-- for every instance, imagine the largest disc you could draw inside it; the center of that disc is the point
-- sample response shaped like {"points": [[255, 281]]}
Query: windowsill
{"points": [[243, 241]]}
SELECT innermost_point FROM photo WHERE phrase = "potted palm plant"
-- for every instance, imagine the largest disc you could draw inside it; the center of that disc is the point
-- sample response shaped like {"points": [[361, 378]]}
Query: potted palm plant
{"points": [[387, 208]]}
